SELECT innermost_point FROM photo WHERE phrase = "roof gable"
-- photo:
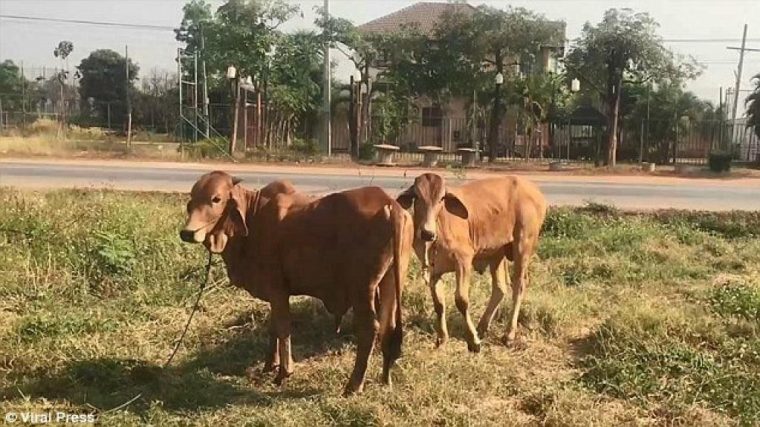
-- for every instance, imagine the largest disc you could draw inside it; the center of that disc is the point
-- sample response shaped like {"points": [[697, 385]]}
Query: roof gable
{"points": [[423, 14]]}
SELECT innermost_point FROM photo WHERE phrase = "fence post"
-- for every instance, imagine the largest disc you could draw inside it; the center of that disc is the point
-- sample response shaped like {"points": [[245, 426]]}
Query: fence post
{"points": [[641, 143]]}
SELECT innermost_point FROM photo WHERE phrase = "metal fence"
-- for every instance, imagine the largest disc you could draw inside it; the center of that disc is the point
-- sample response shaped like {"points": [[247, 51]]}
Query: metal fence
{"points": [[657, 141]]}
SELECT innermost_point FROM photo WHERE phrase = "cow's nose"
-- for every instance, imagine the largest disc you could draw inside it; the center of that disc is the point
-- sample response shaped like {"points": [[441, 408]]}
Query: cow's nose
{"points": [[427, 235], [187, 236]]}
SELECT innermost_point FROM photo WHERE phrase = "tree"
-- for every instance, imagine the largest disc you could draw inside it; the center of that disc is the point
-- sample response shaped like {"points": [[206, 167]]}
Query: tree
{"points": [[362, 50], [241, 33], [501, 39], [62, 51], [295, 78], [10, 86], [196, 15], [623, 46], [753, 106], [104, 81], [672, 112]]}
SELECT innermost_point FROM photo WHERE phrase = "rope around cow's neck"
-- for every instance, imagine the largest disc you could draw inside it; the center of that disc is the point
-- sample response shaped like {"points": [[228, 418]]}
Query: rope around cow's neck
{"points": [[192, 313]]}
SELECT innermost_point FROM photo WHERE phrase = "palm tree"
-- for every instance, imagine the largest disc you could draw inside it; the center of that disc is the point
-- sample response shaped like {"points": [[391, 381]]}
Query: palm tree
{"points": [[753, 106]]}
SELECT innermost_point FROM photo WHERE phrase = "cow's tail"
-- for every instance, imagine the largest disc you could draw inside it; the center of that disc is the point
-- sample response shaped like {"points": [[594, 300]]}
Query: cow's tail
{"points": [[398, 219]]}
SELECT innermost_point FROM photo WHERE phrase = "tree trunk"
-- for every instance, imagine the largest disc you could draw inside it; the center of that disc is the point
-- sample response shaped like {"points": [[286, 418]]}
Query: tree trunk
{"points": [[613, 102], [368, 109]]}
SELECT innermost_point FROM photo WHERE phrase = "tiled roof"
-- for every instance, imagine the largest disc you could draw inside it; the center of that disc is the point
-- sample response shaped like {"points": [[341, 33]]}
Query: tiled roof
{"points": [[423, 14]]}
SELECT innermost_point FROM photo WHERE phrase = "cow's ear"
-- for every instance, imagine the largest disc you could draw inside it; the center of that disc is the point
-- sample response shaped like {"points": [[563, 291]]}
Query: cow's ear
{"points": [[239, 208], [406, 198], [236, 180], [454, 205]]}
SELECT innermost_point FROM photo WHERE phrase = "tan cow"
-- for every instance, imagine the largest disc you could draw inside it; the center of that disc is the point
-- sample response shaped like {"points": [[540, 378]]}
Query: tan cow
{"points": [[341, 248], [482, 224]]}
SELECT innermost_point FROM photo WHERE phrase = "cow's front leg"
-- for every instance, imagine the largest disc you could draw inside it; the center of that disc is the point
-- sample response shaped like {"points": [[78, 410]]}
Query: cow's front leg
{"points": [[281, 325], [439, 304]]}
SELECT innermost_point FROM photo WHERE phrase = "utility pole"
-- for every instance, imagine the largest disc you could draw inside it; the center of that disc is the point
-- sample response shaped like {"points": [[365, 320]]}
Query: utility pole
{"points": [[720, 120], [741, 50], [205, 84], [326, 90], [129, 102], [23, 97]]}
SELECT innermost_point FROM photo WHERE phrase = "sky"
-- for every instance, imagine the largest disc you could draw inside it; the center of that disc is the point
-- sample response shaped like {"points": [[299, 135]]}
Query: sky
{"points": [[700, 21]]}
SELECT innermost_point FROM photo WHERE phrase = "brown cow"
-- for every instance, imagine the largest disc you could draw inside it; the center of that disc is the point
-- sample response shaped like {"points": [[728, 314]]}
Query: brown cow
{"points": [[478, 224], [340, 248]]}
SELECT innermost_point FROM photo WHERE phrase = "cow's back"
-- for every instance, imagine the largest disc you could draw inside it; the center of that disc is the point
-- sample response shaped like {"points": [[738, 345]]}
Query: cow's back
{"points": [[324, 245], [496, 206]]}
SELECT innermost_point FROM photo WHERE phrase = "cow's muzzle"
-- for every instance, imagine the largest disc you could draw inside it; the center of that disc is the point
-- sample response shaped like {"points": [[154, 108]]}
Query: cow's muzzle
{"points": [[187, 236], [427, 235]]}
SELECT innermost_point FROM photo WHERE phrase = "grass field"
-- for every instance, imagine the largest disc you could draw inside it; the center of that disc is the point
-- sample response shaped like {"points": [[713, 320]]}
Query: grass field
{"points": [[629, 319]]}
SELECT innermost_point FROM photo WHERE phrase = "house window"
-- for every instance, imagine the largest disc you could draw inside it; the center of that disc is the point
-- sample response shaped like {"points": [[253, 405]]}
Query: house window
{"points": [[431, 116]]}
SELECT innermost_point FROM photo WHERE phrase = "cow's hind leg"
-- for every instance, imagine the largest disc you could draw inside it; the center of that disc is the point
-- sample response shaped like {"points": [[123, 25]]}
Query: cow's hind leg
{"points": [[498, 290], [390, 337], [462, 300], [366, 331], [273, 358], [281, 323], [522, 249]]}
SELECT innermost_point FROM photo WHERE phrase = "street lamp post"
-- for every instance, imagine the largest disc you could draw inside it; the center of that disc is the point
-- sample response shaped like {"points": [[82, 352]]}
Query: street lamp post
{"points": [[575, 87], [235, 86]]}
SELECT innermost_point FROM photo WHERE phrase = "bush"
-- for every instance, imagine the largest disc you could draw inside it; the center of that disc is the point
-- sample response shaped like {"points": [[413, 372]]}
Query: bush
{"points": [[308, 147], [720, 161], [366, 152], [207, 148]]}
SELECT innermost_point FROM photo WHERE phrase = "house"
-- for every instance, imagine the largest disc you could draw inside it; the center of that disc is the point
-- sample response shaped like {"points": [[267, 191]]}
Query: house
{"points": [[446, 125]]}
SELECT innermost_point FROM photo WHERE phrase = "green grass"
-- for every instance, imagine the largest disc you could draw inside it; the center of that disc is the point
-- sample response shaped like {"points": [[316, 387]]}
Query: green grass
{"points": [[629, 319]]}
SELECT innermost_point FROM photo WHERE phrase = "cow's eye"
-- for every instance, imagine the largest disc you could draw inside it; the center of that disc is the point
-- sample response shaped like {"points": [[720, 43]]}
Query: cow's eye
{"points": [[216, 199]]}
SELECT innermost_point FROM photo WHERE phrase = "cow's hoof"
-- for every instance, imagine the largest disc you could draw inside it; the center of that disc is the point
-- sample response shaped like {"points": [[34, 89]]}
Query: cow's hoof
{"points": [[482, 331], [282, 377], [513, 342], [441, 341], [352, 390], [473, 347], [270, 367]]}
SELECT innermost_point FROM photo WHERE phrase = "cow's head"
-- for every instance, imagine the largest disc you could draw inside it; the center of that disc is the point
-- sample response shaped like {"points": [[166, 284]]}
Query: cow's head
{"points": [[216, 211], [428, 194]]}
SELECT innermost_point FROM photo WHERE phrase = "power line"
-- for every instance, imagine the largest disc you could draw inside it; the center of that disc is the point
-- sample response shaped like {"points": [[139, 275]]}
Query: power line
{"points": [[83, 22]]}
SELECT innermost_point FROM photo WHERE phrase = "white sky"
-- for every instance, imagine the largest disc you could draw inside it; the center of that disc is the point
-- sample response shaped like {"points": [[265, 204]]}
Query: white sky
{"points": [[33, 42]]}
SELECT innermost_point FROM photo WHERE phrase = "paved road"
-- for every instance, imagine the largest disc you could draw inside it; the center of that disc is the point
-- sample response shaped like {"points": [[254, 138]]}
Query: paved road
{"points": [[687, 194]]}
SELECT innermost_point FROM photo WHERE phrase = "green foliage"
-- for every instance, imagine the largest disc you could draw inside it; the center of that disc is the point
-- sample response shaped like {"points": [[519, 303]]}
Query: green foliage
{"points": [[731, 225], [672, 111], [214, 148], [241, 33], [114, 253], [10, 85], [740, 299], [753, 107], [103, 79], [720, 161], [624, 46], [307, 147], [366, 152], [655, 358]]}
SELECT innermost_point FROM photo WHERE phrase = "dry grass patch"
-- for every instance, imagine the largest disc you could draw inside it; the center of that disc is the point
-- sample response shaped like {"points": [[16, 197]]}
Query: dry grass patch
{"points": [[629, 319]]}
